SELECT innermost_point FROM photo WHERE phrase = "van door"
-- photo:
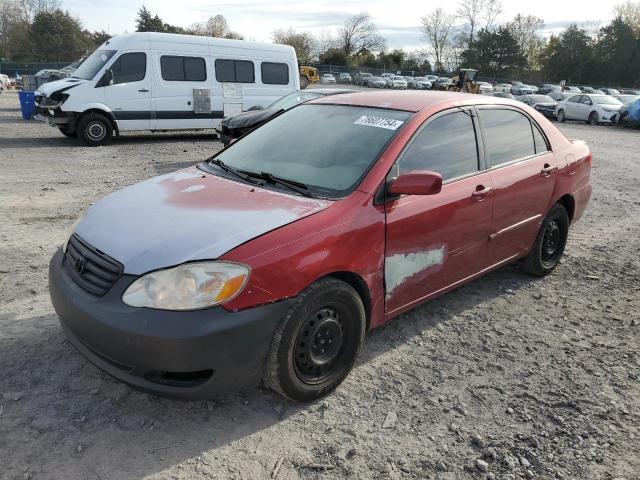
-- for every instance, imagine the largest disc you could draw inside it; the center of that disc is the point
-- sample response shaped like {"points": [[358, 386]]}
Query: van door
{"points": [[129, 94], [176, 105]]}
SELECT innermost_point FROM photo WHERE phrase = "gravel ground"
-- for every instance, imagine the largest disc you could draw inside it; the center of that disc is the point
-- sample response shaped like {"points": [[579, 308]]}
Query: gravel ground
{"points": [[507, 377]]}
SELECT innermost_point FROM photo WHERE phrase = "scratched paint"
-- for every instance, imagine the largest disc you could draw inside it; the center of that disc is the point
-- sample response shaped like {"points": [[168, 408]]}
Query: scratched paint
{"points": [[401, 266]]}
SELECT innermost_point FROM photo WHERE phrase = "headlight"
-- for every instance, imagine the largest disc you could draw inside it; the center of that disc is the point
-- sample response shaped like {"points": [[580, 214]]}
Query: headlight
{"points": [[189, 286]]}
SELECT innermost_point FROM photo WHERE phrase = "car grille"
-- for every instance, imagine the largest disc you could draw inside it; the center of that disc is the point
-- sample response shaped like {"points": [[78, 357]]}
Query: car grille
{"points": [[91, 269]]}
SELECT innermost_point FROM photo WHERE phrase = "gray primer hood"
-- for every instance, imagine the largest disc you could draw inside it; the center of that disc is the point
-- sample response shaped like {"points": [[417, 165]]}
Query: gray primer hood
{"points": [[186, 215]]}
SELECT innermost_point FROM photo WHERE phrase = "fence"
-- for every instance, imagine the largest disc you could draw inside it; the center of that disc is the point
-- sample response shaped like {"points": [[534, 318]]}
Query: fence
{"points": [[18, 68]]}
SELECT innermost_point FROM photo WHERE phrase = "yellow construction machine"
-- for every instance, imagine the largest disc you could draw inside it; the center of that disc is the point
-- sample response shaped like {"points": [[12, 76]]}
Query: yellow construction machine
{"points": [[465, 81]]}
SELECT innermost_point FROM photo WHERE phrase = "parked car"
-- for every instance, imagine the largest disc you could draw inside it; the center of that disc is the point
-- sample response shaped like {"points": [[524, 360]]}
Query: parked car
{"points": [[629, 115], [609, 91], [420, 83], [327, 79], [560, 96], [586, 89], [520, 88], [485, 88], [628, 91], [376, 82], [571, 89], [408, 79], [51, 74], [593, 109], [502, 95], [533, 88], [502, 87], [542, 103], [431, 78], [547, 88], [4, 81], [396, 81], [186, 85], [272, 259], [363, 78], [344, 78], [626, 99], [442, 83], [234, 127]]}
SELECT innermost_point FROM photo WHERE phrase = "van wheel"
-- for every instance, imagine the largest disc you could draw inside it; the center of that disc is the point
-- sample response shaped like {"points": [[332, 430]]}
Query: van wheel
{"points": [[68, 133], [593, 118], [304, 82], [317, 342], [95, 129], [550, 242], [561, 116]]}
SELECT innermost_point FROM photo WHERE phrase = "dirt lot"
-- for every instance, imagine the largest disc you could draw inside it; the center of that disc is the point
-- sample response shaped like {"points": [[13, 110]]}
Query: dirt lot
{"points": [[536, 377]]}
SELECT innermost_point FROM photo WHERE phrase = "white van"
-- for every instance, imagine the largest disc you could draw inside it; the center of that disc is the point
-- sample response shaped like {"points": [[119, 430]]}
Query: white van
{"points": [[163, 81]]}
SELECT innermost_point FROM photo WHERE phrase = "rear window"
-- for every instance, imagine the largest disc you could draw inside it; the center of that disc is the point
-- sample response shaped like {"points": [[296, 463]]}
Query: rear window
{"points": [[183, 69], [236, 71], [507, 136], [274, 73]]}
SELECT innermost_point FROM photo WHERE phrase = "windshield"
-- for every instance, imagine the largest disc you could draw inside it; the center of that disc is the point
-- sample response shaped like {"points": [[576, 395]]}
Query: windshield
{"points": [[327, 147], [92, 64], [540, 99], [289, 101], [605, 100]]}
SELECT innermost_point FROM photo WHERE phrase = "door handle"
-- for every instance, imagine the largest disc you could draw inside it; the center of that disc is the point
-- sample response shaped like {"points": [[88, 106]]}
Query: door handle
{"points": [[481, 191], [547, 169], [143, 90]]}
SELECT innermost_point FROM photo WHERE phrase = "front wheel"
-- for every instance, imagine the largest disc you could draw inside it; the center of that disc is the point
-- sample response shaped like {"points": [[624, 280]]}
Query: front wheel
{"points": [[593, 118], [317, 342], [95, 129], [550, 242], [68, 133], [561, 116]]}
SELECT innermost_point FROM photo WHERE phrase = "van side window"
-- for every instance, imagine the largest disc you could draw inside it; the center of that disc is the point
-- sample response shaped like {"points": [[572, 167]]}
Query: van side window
{"points": [[275, 73], [507, 136], [447, 145], [129, 67], [183, 69], [238, 71]]}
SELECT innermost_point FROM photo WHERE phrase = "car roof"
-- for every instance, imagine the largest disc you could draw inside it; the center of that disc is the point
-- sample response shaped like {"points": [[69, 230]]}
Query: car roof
{"points": [[327, 91], [408, 100]]}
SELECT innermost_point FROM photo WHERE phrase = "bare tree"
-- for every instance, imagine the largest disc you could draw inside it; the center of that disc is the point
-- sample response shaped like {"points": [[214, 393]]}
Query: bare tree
{"points": [[437, 30], [526, 31], [591, 27], [630, 13], [324, 41], [492, 10], [359, 35], [476, 14], [216, 26], [302, 42]]}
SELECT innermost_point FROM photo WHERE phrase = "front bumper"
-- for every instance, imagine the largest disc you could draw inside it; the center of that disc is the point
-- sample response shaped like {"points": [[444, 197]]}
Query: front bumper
{"points": [[186, 355], [56, 117]]}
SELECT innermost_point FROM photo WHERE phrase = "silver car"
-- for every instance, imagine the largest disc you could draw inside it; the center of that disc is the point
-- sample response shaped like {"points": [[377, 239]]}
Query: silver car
{"points": [[376, 82]]}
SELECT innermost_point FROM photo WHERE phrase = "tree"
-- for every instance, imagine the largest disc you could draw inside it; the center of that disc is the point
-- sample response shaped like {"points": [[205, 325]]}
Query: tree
{"points": [[473, 13], [630, 13], [437, 30], [618, 52], [571, 57], [335, 56], [495, 52], [359, 34], [146, 22], [216, 26], [58, 36], [302, 42], [97, 38], [526, 31]]}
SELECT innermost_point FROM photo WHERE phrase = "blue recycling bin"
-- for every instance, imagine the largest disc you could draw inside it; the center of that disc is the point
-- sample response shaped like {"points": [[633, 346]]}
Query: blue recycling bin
{"points": [[27, 104]]}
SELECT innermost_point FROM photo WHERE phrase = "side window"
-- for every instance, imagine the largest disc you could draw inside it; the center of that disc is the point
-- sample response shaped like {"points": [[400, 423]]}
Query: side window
{"points": [[129, 67], [586, 100], [274, 73], [183, 69], [237, 71], [447, 145], [575, 99], [538, 140], [507, 136]]}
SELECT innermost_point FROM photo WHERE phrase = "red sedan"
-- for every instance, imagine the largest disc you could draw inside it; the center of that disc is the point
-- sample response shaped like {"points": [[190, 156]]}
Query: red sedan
{"points": [[271, 260]]}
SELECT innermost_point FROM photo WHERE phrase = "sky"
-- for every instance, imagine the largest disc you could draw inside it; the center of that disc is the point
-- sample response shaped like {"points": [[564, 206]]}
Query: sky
{"points": [[397, 20]]}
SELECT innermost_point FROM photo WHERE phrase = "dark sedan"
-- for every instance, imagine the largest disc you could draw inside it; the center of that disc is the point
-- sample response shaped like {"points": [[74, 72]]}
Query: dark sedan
{"points": [[542, 103], [232, 128]]}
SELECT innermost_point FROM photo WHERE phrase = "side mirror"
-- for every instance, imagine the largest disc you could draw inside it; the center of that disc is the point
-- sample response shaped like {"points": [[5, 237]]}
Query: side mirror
{"points": [[107, 79], [416, 183]]}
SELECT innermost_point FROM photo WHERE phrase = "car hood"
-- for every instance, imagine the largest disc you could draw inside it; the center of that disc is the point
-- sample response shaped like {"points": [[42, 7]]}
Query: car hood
{"points": [[609, 106], [545, 105], [249, 119], [186, 215], [48, 88]]}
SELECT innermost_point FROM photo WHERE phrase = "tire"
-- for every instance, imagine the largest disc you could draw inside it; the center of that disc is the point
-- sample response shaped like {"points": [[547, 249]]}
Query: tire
{"points": [[301, 364], [561, 116], [550, 242], [304, 82], [95, 129], [68, 133], [593, 118]]}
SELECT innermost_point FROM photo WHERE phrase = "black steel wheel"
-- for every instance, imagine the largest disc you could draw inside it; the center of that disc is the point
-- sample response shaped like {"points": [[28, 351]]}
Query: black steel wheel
{"points": [[95, 129], [315, 346], [68, 133], [550, 242]]}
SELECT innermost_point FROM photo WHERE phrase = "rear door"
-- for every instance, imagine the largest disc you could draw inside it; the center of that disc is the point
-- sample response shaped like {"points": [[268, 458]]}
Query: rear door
{"points": [[571, 107], [436, 241], [129, 95], [523, 173]]}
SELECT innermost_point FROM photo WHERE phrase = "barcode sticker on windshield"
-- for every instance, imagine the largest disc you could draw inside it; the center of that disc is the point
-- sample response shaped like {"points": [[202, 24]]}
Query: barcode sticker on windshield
{"points": [[380, 122]]}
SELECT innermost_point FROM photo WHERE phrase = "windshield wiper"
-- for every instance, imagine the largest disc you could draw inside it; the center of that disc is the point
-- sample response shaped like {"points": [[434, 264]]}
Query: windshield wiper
{"points": [[235, 171], [298, 187]]}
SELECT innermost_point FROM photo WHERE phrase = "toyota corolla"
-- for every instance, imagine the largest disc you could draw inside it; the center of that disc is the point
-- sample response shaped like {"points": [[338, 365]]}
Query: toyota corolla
{"points": [[272, 259]]}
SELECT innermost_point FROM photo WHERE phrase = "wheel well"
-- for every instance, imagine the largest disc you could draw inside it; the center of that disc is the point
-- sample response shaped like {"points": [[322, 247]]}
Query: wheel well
{"points": [[109, 115], [361, 287], [569, 203]]}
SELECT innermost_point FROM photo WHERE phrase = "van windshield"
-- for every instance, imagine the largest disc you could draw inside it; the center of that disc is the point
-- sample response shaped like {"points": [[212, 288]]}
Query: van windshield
{"points": [[92, 64], [328, 148]]}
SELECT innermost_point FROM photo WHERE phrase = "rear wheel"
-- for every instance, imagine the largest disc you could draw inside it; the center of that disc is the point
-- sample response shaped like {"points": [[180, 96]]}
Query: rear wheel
{"points": [[95, 129], [316, 344], [550, 242], [304, 82], [561, 116], [593, 118]]}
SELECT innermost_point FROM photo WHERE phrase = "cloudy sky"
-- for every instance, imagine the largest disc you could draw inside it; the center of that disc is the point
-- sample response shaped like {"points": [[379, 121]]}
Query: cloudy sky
{"points": [[398, 20]]}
